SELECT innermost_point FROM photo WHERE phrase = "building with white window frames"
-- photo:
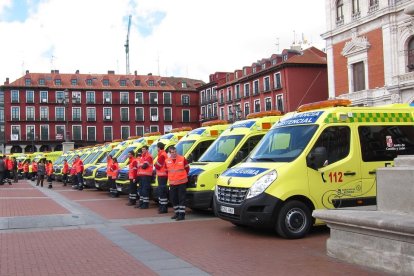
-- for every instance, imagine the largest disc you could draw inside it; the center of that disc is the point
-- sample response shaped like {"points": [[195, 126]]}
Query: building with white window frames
{"points": [[370, 49]]}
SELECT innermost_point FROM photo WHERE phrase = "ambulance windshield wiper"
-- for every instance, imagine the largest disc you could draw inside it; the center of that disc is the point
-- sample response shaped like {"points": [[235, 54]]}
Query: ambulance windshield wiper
{"points": [[263, 159]]}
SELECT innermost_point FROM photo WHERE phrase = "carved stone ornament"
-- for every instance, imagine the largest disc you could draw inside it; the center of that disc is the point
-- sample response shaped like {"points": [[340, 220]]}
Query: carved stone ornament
{"points": [[395, 98], [355, 45]]}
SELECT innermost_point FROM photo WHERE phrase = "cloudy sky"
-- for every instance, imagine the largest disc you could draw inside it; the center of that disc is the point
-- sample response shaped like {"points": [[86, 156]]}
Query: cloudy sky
{"points": [[186, 38]]}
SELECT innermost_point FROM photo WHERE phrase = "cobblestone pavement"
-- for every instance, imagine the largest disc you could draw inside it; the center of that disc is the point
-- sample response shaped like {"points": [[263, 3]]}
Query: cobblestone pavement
{"points": [[68, 232]]}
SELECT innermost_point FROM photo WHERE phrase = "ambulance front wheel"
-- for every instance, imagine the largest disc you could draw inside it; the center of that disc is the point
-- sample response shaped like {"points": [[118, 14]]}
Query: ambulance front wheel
{"points": [[294, 220]]}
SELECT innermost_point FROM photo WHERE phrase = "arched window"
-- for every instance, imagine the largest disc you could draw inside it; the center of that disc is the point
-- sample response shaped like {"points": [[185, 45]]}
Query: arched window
{"points": [[339, 10], [410, 54]]}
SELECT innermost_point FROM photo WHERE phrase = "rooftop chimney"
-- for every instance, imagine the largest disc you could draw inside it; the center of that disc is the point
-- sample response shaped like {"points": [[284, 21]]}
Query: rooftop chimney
{"points": [[77, 72], [27, 72], [111, 72], [135, 72], [149, 74], [7, 81]]}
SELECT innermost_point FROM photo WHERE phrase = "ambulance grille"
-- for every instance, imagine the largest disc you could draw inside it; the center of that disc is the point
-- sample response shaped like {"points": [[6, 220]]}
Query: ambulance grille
{"points": [[100, 174], [123, 176], [231, 195]]}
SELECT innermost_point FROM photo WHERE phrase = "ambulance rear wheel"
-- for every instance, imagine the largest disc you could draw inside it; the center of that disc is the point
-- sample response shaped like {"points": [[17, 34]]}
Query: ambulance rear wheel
{"points": [[294, 220]]}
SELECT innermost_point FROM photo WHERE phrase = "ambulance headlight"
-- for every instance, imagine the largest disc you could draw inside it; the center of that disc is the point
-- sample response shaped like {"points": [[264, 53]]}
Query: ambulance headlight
{"points": [[261, 184]]}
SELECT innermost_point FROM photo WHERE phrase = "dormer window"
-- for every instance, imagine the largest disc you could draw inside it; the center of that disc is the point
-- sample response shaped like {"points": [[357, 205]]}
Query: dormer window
{"points": [[244, 71], [58, 82], [254, 69], [162, 83], [274, 61], [74, 82], [151, 83], [89, 82], [105, 82], [27, 82], [122, 83], [183, 84], [42, 82], [137, 82], [263, 66]]}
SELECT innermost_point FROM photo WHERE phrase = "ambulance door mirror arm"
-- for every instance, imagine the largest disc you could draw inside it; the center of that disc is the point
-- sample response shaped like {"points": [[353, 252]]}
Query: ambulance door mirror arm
{"points": [[190, 158], [238, 158], [317, 158]]}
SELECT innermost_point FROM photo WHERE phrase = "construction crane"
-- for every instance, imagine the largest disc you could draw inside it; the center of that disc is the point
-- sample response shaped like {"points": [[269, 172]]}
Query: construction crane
{"points": [[127, 46]]}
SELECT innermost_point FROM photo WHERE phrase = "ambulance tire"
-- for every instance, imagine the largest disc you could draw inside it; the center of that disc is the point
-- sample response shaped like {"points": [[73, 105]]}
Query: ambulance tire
{"points": [[294, 220]]}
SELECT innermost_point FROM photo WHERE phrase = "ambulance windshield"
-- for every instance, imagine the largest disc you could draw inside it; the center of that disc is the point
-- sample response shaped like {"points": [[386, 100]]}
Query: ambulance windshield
{"points": [[283, 144], [220, 150], [183, 146]]}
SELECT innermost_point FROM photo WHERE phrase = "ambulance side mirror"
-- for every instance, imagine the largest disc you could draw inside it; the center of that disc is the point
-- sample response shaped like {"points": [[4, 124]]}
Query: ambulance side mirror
{"points": [[190, 158], [317, 158]]}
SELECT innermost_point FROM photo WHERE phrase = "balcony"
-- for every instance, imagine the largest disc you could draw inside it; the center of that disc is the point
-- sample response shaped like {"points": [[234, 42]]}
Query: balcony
{"points": [[373, 8], [124, 119], [139, 119], [108, 118], [91, 119], [266, 90], [356, 15]]}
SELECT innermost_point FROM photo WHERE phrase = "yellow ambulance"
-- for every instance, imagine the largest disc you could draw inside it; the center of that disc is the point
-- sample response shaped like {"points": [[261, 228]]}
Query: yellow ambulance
{"points": [[230, 148], [325, 155]]}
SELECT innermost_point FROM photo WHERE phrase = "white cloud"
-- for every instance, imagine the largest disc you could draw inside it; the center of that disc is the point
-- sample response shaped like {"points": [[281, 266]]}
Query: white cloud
{"points": [[193, 38]]}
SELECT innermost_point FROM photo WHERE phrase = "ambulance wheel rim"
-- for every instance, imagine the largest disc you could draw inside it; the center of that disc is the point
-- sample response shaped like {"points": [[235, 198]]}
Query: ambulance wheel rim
{"points": [[296, 220]]}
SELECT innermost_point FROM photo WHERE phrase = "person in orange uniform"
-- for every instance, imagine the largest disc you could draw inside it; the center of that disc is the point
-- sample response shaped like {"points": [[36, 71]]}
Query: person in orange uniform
{"points": [[26, 168], [9, 167], [49, 172], [65, 172], [114, 173], [145, 175], [72, 173], [162, 179], [20, 168], [34, 170], [109, 162], [132, 175], [79, 172], [178, 168]]}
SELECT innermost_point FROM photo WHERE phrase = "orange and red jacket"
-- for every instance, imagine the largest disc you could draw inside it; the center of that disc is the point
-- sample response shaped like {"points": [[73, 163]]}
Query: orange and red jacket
{"points": [[178, 169], [114, 170], [160, 167], [20, 166], [49, 169], [26, 167], [133, 168], [108, 167], [79, 166], [34, 167], [145, 159], [73, 169], [9, 164], [65, 168]]}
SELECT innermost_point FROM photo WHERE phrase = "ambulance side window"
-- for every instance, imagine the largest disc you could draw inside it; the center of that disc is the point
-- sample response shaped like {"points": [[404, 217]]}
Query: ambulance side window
{"points": [[336, 140], [384, 143]]}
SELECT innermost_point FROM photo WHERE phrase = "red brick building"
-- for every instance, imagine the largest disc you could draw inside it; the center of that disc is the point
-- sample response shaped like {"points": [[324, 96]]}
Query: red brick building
{"points": [[39, 109], [282, 82]]}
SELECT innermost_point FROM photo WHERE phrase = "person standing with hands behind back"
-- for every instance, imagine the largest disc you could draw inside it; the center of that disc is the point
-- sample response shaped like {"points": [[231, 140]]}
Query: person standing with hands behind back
{"points": [[114, 174], [162, 179], [132, 175], [178, 168], [41, 171]]}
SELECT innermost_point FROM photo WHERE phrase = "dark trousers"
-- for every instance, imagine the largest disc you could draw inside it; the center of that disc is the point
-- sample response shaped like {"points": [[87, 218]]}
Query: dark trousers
{"points": [[15, 176], [133, 190], [1, 178], [80, 179], [65, 178], [162, 190], [178, 198], [40, 179], [112, 186], [145, 188], [6, 174], [74, 180]]}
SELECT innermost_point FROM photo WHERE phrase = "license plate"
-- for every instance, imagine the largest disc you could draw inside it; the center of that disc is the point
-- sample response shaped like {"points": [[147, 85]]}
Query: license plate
{"points": [[119, 189], [228, 210]]}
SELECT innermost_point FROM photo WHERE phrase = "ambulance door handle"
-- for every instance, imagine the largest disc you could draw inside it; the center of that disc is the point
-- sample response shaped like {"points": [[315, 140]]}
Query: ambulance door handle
{"points": [[372, 172], [349, 173]]}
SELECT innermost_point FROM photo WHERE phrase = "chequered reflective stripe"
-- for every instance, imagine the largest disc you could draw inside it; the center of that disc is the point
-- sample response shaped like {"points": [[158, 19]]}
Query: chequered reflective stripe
{"points": [[133, 196], [375, 117], [181, 209], [163, 201]]}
